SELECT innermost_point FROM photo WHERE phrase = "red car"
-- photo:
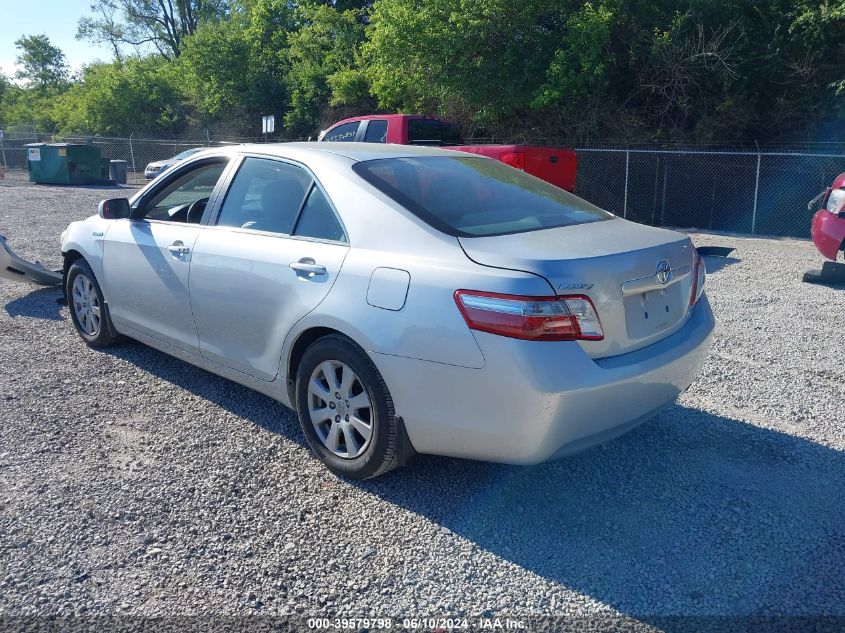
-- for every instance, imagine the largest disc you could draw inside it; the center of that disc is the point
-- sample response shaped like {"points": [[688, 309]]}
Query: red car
{"points": [[828, 228], [556, 165]]}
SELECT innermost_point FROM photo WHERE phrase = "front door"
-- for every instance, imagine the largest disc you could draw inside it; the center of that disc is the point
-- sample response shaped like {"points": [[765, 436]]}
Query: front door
{"points": [[272, 255], [146, 260]]}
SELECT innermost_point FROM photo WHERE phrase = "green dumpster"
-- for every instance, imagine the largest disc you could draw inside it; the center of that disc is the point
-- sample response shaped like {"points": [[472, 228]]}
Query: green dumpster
{"points": [[66, 164]]}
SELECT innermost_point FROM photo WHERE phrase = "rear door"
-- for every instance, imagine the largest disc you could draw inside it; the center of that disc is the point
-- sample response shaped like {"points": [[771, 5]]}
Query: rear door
{"points": [[146, 260], [270, 257]]}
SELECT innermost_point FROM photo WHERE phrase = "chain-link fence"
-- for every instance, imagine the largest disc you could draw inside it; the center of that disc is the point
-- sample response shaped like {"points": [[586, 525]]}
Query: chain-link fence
{"points": [[137, 152], [762, 193]]}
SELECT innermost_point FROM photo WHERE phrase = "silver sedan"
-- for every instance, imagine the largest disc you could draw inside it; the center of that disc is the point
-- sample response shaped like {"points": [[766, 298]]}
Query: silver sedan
{"points": [[401, 299]]}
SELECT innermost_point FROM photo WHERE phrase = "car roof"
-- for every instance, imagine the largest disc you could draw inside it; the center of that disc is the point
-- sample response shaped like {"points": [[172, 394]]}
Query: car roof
{"points": [[354, 151]]}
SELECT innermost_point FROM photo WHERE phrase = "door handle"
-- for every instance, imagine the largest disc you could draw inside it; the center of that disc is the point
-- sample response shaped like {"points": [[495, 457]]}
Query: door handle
{"points": [[178, 248], [308, 265]]}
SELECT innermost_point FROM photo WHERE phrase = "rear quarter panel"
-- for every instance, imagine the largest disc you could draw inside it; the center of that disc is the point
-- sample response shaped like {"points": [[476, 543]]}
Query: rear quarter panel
{"points": [[429, 325]]}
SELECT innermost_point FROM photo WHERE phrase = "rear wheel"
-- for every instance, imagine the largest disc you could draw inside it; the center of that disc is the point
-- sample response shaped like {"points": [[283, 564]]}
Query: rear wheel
{"points": [[345, 409], [88, 309]]}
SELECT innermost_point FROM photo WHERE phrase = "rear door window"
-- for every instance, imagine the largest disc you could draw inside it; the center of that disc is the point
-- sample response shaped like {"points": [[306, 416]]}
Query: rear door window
{"points": [[342, 133], [376, 131], [318, 219], [266, 195]]}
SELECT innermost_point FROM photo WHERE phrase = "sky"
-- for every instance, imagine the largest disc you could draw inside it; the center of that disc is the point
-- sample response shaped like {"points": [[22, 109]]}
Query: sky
{"points": [[56, 19]]}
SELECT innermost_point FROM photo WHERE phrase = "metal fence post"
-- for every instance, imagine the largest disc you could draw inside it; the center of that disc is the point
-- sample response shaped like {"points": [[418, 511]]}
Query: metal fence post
{"points": [[756, 192], [656, 184], [132, 153], [625, 203]]}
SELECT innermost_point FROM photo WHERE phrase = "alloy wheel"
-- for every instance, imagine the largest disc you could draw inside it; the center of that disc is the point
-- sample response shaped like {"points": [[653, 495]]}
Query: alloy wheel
{"points": [[340, 409], [86, 304]]}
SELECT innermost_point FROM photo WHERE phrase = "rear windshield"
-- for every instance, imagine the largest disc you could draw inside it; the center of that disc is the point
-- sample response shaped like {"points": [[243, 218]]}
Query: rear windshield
{"points": [[433, 132], [475, 197]]}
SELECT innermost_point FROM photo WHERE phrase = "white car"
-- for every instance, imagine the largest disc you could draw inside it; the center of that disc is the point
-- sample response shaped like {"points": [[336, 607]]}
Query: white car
{"points": [[154, 168], [402, 299]]}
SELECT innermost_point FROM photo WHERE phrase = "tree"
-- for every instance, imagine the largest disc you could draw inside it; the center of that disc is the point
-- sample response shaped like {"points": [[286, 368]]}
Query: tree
{"points": [[236, 69], [4, 85], [215, 65], [162, 24], [473, 60], [138, 95], [43, 65], [324, 64]]}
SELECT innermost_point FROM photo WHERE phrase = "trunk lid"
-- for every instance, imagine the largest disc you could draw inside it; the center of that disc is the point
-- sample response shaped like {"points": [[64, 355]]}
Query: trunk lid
{"points": [[615, 263]]}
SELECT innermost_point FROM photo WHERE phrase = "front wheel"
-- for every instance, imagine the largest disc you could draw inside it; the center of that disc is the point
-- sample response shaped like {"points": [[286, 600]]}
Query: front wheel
{"points": [[88, 309], [345, 409]]}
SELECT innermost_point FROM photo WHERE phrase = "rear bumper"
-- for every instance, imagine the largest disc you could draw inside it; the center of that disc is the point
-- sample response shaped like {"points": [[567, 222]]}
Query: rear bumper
{"points": [[534, 401], [828, 232]]}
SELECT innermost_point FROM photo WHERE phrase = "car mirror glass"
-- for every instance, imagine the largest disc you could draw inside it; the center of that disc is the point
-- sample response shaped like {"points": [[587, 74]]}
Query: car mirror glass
{"points": [[114, 209]]}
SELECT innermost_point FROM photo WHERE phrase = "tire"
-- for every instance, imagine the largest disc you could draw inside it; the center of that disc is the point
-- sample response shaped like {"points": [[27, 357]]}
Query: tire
{"points": [[333, 426], [88, 309]]}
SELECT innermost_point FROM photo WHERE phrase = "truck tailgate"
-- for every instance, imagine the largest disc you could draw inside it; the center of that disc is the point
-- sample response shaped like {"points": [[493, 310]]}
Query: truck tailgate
{"points": [[556, 165]]}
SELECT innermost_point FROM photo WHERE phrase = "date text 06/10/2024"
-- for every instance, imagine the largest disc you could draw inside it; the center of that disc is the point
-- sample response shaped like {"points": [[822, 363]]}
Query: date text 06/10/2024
{"points": [[416, 624]]}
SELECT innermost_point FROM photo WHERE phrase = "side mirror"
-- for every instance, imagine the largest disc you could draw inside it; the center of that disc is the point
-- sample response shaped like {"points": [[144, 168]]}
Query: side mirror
{"points": [[114, 209]]}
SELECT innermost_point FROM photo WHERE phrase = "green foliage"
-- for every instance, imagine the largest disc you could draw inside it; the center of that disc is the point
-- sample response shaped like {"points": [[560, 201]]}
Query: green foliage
{"points": [[701, 70], [215, 66], [473, 59], [139, 95], [324, 64], [42, 65], [28, 106], [580, 64]]}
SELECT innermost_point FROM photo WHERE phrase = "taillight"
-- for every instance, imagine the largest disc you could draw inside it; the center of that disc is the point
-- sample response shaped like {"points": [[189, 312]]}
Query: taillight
{"points": [[699, 272], [565, 318], [836, 201], [514, 159]]}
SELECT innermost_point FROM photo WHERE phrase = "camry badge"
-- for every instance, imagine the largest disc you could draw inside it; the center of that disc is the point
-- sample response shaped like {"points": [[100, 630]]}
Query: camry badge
{"points": [[574, 286], [664, 271]]}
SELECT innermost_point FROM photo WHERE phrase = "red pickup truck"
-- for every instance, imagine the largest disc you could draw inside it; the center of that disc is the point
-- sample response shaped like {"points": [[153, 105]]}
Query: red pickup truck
{"points": [[553, 164]]}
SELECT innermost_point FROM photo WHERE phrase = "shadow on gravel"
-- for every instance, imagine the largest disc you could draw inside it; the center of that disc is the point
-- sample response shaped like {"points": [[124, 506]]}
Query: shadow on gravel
{"points": [[39, 304], [241, 401], [715, 264], [690, 514]]}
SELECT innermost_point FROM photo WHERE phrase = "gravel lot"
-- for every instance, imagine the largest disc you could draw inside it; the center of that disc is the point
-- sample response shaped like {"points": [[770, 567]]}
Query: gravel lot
{"points": [[132, 483]]}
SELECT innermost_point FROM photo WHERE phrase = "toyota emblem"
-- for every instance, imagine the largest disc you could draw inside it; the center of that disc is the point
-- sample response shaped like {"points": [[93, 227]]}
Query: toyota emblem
{"points": [[664, 271]]}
